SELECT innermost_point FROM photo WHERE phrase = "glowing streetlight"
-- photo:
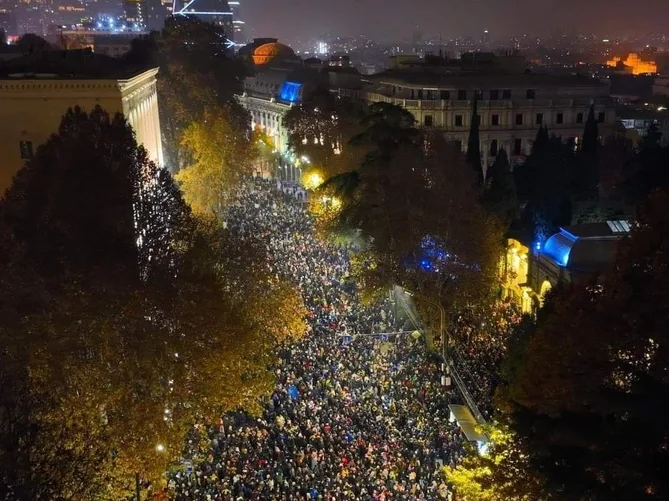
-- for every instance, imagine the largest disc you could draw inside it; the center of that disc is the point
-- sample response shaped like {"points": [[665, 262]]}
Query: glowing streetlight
{"points": [[160, 448]]}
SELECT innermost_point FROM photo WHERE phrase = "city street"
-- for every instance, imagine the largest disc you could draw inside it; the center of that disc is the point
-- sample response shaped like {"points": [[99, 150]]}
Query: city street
{"points": [[350, 418]]}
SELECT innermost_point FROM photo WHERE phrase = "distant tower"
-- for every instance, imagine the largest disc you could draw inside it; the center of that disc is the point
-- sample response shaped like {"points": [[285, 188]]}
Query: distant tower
{"points": [[212, 11], [486, 39], [239, 35]]}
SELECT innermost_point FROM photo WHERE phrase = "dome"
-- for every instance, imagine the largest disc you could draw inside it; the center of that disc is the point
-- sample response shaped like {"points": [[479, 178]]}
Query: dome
{"points": [[269, 52]]}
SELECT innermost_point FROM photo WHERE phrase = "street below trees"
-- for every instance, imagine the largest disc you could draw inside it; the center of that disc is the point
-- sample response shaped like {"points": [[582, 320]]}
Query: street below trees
{"points": [[351, 416]]}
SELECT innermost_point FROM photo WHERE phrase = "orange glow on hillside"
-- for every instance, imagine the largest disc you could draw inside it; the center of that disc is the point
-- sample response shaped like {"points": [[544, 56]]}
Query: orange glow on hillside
{"points": [[638, 66]]}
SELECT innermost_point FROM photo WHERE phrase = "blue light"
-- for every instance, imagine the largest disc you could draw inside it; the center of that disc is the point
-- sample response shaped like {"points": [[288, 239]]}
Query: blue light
{"points": [[290, 91], [425, 265], [559, 246]]}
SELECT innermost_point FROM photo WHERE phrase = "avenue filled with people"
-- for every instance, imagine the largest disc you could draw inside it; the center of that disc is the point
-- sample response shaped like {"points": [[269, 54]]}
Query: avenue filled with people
{"points": [[357, 413]]}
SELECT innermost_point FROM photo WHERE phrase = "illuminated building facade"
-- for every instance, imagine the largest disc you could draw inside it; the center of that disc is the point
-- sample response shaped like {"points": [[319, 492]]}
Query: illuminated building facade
{"points": [[633, 64], [573, 254], [36, 90], [279, 81], [512, 105]]}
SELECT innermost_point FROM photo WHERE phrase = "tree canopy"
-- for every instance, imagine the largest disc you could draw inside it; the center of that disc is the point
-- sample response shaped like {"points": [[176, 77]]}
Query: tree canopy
{"points": [[125, 318], [415, 202], [589, 390]]}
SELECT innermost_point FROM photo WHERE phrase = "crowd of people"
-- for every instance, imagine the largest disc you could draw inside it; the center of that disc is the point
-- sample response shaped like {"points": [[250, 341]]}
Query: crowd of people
{"points": [[479, 347], [354, 415]]}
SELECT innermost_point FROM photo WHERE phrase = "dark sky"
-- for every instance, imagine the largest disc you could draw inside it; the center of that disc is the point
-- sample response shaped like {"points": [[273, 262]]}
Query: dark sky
{"points": [[291, 20]]}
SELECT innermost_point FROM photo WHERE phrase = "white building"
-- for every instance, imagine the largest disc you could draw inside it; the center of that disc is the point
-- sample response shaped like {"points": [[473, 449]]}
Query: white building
{"points": [[512, 104]]}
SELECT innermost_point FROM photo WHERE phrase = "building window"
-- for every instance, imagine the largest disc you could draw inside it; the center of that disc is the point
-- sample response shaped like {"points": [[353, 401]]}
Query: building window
{"points": [[428, 121], [579, 118], [493, 148], [495, 120], [494, 95], [430, 95], [458, 120], [445, 95], [531, 93], [559, 118], [458, 144], [519, 119], [462, 95], [506, 94], [420, 93], [478, 94], [601, 117], [540, 118], [518, 147], [26, 149]]}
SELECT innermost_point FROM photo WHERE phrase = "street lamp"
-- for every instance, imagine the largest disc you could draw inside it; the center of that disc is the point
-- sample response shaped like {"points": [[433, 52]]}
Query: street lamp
{"points": [[445, 367]]}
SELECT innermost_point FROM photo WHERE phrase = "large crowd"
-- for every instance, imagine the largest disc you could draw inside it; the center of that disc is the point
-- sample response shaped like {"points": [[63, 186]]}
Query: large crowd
{"points": [[479, 347], [353, 416]]}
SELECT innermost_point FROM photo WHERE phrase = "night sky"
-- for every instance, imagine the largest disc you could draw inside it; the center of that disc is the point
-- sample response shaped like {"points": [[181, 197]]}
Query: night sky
{"points": [[292, 20]]}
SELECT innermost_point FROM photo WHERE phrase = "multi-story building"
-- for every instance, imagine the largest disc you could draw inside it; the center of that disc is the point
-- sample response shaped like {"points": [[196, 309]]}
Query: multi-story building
{"points": [[512, 104], [36, 90], [136, 13], [279, 81]]}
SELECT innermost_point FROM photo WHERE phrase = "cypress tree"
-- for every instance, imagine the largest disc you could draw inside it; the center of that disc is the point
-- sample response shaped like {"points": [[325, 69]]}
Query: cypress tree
{"points": [[474, 145], [500, 198], [589, 155]]}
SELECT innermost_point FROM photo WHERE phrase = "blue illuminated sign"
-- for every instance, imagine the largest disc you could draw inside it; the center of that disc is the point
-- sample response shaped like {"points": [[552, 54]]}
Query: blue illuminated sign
{"points": [[290, 91]]}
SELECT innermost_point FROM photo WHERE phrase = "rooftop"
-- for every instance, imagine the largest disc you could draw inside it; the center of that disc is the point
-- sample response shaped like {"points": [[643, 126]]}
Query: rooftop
{"points": [[67, 64], [483, 80]]}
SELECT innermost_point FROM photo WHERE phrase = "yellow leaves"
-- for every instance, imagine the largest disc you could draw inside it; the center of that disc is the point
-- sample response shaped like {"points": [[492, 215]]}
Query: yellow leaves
{"points": [[220, 155], [501, 473]]}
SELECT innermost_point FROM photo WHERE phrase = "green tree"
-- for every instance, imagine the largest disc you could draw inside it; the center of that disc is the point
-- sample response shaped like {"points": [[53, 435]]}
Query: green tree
{"points": [[416, 204], [499, 197], [474, 145]]}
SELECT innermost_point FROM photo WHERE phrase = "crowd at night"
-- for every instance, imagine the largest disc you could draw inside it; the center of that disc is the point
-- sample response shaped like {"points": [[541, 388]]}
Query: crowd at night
{"points": [[365, 419]]}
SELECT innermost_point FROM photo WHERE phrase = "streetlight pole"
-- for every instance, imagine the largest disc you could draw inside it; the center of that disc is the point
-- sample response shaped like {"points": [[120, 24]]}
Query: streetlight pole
{"points": [[445, 366]]}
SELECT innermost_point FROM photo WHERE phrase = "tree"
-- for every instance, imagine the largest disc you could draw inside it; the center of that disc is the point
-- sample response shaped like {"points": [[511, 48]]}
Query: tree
{"points": [[590, 392], [647, 170], [125, 318], [414, 201], [474, 145], [320, 129], [500, 473], [499, 197], [196, 74], [545, 183], [222, 154]]}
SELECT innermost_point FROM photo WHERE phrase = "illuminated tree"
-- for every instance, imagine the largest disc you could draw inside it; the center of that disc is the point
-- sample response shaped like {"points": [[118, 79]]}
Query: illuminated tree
{"points": [[125, 319], [502, 472], [222, 155], [196, 73]]}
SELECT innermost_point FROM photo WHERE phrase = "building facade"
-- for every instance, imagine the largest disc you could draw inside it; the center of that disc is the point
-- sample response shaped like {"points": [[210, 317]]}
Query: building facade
{"points": [[511, 107], [279, 81], [512, 103], [32, 105], [573, 254]]}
